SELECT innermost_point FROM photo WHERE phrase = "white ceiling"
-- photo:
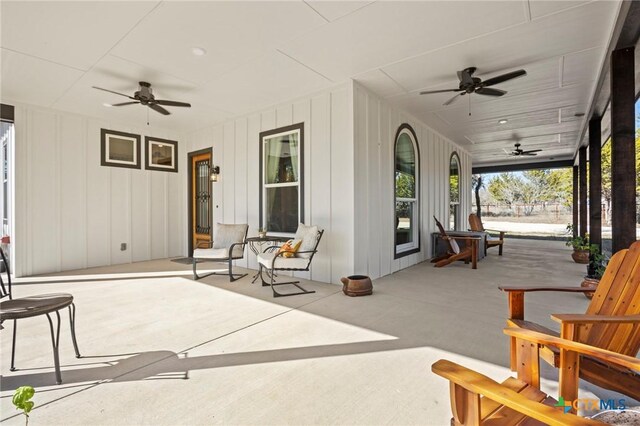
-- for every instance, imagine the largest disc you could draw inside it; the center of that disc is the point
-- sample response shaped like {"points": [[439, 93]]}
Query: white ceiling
{"points": [[263, 53]]}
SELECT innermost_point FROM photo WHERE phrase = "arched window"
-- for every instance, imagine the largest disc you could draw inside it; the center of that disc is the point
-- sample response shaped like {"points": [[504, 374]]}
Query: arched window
{"points": [[454, 191], [407, 201]]}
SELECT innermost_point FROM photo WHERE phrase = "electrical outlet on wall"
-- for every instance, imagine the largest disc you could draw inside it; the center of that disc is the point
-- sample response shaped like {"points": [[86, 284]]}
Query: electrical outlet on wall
{"points": [[123, 246]]}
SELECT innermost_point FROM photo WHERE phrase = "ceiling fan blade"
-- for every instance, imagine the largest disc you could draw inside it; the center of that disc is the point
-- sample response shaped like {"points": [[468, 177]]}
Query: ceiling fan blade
{"points": [[111, 91], [172, 103], [531, 151], [531, 154], [490, 92], [450, 101], [503, 78], [427, 92], [159, 109], [125, 103]]}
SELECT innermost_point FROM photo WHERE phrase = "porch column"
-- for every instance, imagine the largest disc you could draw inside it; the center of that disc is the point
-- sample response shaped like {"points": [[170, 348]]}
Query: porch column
{"points": [[582, 164], [623, 153], [595, 183], [575, 201]]}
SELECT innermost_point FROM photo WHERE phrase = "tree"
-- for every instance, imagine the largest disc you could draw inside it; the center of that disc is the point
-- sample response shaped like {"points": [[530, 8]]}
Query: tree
{"points": [[477, 184], [504, 188]]}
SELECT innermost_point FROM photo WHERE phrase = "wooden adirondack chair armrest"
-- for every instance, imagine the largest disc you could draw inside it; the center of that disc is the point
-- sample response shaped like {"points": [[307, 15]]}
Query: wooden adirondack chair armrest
{"points": [[495, 230], [591, 319], [563, 289], [581, 348], [480, 384]]}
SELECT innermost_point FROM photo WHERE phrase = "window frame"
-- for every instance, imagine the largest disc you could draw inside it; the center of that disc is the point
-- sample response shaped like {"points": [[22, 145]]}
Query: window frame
{"points": [[264, 136], [456, 219], [407, 249]]}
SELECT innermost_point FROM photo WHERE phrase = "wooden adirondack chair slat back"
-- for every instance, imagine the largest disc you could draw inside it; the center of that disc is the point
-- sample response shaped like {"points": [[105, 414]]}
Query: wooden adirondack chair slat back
{"points": [[618, 293], [475, 223], [443, 233]]}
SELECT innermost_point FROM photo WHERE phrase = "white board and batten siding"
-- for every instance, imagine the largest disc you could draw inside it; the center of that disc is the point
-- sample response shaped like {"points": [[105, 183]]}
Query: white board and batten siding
{"points": [[328, 173], [72, 213], [375, 126]]}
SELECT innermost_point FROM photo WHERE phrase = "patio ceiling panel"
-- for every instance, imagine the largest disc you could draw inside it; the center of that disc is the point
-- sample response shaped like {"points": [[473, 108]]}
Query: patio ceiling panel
{"points": [[260, 83], [75, 34], [232, 33], [386, 32], [332, 10], [32, 80]]}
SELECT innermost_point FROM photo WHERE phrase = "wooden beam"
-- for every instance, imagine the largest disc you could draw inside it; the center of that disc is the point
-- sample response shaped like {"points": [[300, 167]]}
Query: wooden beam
{"points": [[575, 201], [582, 176], [595, 182], [623, 168]]}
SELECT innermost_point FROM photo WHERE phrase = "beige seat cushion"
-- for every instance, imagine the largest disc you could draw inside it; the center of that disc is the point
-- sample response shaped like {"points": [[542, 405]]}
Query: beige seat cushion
{"points": [[265, 260], [212, 253], [224, 235]]}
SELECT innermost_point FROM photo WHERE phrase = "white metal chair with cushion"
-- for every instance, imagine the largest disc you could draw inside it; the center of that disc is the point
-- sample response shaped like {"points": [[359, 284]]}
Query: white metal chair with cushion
{"points": [[228, 244], [300, 260]]}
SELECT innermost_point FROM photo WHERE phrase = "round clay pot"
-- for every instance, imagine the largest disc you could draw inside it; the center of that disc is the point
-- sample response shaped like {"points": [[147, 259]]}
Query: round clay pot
{"points": [[357, 285], [589, 282], [580, 256]]}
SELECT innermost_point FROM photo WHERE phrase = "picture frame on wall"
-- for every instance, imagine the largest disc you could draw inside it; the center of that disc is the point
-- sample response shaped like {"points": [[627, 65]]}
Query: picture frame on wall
{"points": [[119, 149], [161, 154]]}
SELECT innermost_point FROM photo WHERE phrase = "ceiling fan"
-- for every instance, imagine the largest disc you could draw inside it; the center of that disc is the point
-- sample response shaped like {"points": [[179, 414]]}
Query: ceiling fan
{"points": [[517, 152], [144, 96], [469, 84]]}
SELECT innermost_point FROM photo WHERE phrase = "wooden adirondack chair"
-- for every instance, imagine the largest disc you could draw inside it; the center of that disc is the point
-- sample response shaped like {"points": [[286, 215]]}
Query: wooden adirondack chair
{"points": [[478, 400], [466, 253], [475, 223], [612, 322]]}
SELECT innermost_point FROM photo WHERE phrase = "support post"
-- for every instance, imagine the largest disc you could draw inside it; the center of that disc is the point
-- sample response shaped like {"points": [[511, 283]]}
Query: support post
{"points": [[595, 183], [623, 173], [582, 164], [575, 201]]}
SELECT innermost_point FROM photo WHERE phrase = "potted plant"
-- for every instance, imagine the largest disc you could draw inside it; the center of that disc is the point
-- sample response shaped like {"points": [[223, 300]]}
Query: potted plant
{"points": [[595, 269], [581, 247], [22, 401], [262, 232]]}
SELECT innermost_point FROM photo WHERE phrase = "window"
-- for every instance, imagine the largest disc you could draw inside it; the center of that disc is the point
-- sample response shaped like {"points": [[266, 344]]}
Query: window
{"points": [[407, 203], [281, 179], [454, 191]]}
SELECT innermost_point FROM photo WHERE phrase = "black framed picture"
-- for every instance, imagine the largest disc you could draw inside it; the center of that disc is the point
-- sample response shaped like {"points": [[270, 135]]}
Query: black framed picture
{"points": [[119, 149], [161, 154]]}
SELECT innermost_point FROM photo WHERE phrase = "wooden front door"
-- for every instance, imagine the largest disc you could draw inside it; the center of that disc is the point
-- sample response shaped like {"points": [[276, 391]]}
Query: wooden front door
{"points": [[200, 199]]}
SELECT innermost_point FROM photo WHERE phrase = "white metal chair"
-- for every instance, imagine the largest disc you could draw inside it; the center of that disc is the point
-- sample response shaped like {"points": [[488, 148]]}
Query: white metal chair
{"points": [[228, 244], [272, 261]]}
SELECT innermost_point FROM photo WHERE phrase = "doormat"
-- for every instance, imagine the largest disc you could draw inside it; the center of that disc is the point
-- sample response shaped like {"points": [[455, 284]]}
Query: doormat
{"points": [[183, 260]]}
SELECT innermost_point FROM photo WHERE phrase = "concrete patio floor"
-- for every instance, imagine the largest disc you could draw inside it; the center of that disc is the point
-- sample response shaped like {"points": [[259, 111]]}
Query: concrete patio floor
{"points": [[160, 348]]}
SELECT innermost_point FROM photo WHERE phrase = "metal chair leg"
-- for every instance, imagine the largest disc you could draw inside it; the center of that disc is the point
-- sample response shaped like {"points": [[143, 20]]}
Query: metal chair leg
{"points": [[55, 340], [13, 346], [72, 322]]}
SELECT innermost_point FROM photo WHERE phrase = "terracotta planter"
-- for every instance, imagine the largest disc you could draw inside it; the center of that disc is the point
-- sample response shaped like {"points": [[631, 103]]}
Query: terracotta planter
{"points": [[357, 285], [580, 256], [589, 282]]}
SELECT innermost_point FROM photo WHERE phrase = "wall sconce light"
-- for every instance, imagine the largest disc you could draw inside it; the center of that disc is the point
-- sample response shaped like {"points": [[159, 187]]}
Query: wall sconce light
{"points": [[215, 171]]}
